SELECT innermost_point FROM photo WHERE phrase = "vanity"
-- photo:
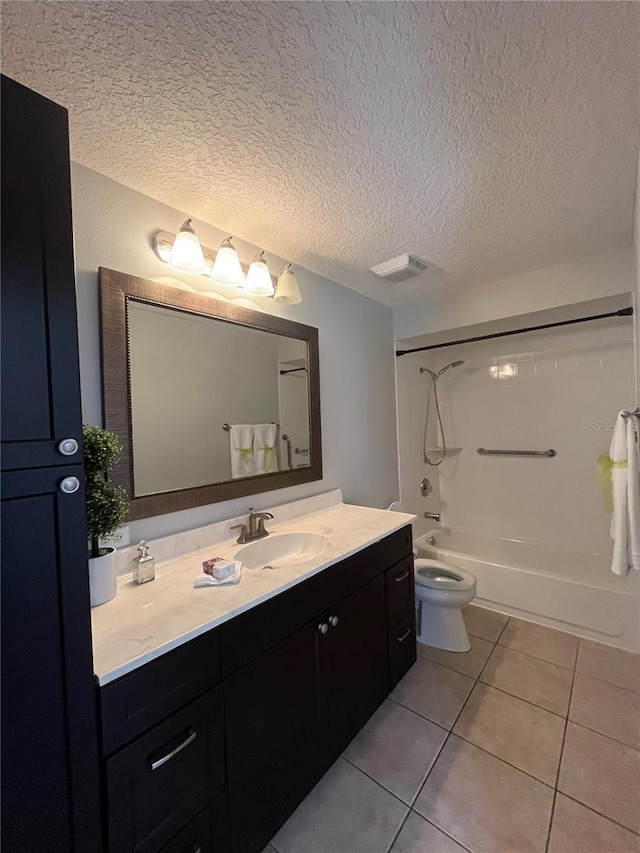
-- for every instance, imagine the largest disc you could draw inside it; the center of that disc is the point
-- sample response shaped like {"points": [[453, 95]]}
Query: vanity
{"points": [[220, 708]]}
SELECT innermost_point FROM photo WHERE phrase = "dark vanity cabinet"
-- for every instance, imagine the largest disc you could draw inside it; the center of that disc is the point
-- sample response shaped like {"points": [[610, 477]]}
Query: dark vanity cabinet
{"points": [[50, 760], [246, 718]]}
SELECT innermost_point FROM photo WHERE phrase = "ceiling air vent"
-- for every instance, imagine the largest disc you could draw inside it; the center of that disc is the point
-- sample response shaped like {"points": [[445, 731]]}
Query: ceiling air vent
{"points": [[400, 268]]}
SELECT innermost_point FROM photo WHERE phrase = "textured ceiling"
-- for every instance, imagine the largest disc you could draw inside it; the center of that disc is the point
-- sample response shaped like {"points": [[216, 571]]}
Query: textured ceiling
{"points": [[487, 138]]}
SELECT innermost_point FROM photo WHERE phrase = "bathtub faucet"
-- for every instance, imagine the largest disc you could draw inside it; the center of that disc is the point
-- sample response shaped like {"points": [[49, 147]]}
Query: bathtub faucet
{"points": [[434, 515]]}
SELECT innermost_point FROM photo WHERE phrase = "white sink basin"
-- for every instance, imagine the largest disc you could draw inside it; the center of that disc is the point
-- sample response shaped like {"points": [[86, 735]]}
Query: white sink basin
{"points": [[282, 549]]}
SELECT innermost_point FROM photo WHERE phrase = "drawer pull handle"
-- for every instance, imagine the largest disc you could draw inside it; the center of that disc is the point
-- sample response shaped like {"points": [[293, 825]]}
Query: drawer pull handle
{"points": [[404, 636], [160, 761], [333, 621], [402, 577]]}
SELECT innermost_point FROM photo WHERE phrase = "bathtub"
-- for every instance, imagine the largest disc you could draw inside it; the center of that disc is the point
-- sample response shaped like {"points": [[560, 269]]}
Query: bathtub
{"points": [[570, 590]]}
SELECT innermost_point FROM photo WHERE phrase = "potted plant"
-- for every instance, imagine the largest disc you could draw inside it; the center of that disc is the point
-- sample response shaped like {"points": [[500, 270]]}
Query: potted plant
{"points": [[107, 507]]}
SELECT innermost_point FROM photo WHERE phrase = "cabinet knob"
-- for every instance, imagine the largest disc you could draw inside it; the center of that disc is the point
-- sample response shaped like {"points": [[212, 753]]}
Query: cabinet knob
{"points": [[68, 446], [333, 621], [323, 627], [69, 485]]}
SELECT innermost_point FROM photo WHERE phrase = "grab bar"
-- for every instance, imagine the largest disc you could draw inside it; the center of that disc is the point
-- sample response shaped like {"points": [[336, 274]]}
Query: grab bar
{"points": [[550, 452], [286, 438]]}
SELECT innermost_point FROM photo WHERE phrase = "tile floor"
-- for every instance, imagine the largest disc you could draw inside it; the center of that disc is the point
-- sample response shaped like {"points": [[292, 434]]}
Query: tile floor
{"points": [[529, 742]]}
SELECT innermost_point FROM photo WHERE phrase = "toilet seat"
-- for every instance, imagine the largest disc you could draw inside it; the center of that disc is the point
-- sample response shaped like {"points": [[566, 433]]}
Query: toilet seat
{"points": [[435, 574]]}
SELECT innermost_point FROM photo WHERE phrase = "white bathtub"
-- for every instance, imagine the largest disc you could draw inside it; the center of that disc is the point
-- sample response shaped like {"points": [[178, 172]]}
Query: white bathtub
{"points": [[569, 590]]}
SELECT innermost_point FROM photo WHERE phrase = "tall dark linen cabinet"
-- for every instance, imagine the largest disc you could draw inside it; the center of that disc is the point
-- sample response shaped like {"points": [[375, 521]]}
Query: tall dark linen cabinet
{"points": [[49, 734]]}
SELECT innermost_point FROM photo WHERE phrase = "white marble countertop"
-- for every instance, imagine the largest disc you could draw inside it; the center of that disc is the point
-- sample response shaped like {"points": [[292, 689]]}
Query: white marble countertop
{"points": [[144, 621]]}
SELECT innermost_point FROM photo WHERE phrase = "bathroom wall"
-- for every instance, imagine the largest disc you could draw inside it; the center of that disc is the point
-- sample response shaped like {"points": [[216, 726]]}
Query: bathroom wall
{"points": [[592, 277], [556, 389], [114, 226]]}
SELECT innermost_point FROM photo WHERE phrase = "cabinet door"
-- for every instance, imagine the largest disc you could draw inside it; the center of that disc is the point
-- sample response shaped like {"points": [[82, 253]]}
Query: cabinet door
{"points": [[272, 739], [49, 731], [39, 340], [352, 665]]}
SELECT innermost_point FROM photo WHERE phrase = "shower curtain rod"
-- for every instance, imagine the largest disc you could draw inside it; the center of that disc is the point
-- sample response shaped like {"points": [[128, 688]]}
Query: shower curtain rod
{"points": [[623, 312]]}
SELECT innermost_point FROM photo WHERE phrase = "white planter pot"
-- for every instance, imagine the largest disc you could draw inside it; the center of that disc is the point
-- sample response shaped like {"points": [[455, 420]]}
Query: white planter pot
{"points": [[102, 578]]}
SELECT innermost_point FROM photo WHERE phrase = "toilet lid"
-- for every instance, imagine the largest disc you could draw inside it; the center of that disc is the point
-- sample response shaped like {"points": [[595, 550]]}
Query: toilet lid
{"points": [[438, 575]]}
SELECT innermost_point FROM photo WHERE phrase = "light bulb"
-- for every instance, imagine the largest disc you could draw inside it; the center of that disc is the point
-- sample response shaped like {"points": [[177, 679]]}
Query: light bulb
{"points": [[259, 278], [287, 291], [226, 268], [186, 252]]}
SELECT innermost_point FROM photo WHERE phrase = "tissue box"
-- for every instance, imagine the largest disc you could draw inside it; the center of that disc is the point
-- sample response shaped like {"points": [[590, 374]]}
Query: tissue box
{"points": [[219, 568]]}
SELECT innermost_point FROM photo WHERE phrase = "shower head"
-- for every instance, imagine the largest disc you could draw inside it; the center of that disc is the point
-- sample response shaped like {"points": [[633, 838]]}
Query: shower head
{"points": [[453, 364]]}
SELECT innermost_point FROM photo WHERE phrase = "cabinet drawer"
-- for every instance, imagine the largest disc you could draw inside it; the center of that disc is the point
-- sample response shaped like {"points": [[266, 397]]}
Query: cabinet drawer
{"points": [[207, 833], [400, 590], [160, 781], [402, 648], [136, 702], [396, 546]]}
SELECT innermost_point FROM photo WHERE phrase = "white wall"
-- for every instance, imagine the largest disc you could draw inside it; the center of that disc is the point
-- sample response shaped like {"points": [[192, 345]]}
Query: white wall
{"points": [[593, 277], [114, 227], [556, 389]]}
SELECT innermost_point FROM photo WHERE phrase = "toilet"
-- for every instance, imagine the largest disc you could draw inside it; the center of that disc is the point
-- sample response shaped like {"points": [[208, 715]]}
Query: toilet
{"points": [[441, 593]]}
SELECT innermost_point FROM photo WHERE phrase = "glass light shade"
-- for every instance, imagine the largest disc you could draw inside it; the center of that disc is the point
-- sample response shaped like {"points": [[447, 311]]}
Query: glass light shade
{"points": [[287, 291], [226, 268], [186, 252], [259, 278]]}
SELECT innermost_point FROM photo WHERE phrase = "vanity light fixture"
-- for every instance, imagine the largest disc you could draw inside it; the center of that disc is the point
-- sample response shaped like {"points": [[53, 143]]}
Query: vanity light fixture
{"points": [[226, 268], [186, 252], [259, 281], [287, 291], [183, 252]]}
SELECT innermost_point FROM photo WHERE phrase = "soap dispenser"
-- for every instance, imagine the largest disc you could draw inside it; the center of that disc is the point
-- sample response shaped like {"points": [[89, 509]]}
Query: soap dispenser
{"points": [[144, 565]]}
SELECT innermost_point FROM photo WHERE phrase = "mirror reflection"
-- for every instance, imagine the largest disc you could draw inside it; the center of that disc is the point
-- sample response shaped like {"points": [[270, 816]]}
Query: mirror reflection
{"points": [[212, 401]]}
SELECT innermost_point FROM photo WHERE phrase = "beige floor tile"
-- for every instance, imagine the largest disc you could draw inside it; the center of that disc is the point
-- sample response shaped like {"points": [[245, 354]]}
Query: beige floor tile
{"points": [[346, 811], [545, 684], [469, 663], [614, 666], [419, 836], [602, 774], [483, 623], [541, 642], [433, 691], [576, 829], [609, 710], [485, 804], [526, 736], [397, 749]]}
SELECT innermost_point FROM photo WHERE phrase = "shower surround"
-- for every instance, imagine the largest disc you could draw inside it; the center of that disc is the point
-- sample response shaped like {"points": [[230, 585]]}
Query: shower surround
{"points": [[557, 389]]}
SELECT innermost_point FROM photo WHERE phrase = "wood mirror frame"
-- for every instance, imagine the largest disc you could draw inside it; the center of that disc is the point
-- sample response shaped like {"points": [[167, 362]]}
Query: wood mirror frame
{"points": [[115, 289]]}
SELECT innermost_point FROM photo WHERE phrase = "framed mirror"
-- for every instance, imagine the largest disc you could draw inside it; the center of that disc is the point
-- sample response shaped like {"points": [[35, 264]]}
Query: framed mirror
{"points": [[211, 401]]}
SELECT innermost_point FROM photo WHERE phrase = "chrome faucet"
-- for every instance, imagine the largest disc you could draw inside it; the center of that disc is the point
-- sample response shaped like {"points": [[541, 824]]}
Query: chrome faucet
{"points": [[434, 515], [255, 528]]}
